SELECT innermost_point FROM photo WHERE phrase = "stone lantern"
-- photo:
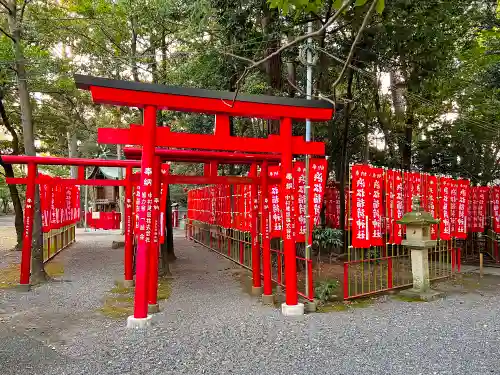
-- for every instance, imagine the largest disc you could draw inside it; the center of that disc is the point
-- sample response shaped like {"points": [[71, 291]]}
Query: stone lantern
{"points": [[418, 240]]}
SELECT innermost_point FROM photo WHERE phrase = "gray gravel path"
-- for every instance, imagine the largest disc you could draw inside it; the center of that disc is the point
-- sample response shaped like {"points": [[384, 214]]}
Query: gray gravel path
{"points": [[209, 326]]}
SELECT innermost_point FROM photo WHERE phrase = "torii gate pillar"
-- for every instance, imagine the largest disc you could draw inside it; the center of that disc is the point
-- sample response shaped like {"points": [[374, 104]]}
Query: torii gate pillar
{"points": [[141, 319]]}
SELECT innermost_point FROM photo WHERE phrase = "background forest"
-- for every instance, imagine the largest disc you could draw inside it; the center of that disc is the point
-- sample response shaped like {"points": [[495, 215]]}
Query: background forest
{"points": [[416, 83]]}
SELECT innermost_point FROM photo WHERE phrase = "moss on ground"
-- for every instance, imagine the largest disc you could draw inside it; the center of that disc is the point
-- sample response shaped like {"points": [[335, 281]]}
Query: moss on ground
{"points": [[54, 268], [119, 301], [333, 307], [164, 289], [402, 298], [9, 276], [344, 306]]}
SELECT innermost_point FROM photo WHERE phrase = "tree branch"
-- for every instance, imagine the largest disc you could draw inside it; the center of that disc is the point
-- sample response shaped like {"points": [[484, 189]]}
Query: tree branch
{"points": [[356, 40], [297, 40], [319, 96], [7, 34], [22, 10], [6, 6]]}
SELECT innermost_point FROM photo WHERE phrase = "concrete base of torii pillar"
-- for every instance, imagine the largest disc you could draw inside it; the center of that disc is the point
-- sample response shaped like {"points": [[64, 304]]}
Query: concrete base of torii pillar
{"points": [[421, 285], [292, 310], [139, 323]]}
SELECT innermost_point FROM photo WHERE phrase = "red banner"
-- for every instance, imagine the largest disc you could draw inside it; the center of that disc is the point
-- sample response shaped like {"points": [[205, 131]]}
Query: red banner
{"points": [[479, 204], [495, 207], [431, 206], [462, 209], [361, 205], [276, 218], [444, 208], [389, 203], [453, 206], [398, 207], [317, 181], [332, 207], [288, 204], [299, 177], [413, 187], [377, 238]]}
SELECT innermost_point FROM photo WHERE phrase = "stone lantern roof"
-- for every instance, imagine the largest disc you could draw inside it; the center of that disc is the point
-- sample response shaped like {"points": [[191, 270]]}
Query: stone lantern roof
{"points": [[417, 216]]}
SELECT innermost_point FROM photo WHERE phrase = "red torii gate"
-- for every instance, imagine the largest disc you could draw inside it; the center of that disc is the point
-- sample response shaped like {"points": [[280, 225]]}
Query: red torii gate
{"points": [[32, 178], [152, 97]]}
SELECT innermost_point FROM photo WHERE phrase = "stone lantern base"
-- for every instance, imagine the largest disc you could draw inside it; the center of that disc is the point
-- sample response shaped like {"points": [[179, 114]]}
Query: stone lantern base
{"points": [[420, 269], [429, 295]]}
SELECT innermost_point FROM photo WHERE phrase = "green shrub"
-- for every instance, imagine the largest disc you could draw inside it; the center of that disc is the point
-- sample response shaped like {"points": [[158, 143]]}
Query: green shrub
{"points": [[326, 290]]}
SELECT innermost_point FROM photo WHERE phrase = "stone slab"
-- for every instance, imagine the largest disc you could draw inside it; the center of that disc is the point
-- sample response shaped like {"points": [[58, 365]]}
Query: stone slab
{"points": [[153, 309], [268, 299], [256, 290]]}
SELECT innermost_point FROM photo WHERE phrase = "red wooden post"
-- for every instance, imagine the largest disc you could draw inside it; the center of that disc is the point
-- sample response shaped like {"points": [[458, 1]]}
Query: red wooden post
{"points": [[129, 235], [266, 239], [145, 212], [24, 279], [254, 233], [291, 306], [154, 248], [206, 169]]}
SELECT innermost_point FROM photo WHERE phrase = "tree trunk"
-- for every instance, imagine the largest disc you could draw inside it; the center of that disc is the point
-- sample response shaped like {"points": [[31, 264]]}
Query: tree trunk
{"points": [[9, 172], [344, 159], [37, 271], [133, 50], [272, 67]]}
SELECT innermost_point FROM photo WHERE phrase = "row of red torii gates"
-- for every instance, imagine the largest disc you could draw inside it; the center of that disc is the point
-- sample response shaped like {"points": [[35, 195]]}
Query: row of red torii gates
{"points": [[160, 144]]}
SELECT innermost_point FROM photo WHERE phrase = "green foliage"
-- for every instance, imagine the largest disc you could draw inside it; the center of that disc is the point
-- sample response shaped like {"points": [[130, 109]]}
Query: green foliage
{"points": [[309, 6], [326, 291], [327, 238]]}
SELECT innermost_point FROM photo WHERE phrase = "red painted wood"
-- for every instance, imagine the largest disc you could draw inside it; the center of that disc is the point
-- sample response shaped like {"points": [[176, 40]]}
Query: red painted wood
{"points": [[144, 234], [254, 230], [154, 244], [166, 138], [129, 234], [265, 229], [28, 225], [140, 99], [286, 195], [50, 160], [172, 179], [68, 181], [196, 156]]}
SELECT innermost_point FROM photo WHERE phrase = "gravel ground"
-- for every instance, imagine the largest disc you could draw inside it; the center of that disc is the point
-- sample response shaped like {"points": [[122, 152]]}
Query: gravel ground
{"points": [[209, 326]]}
